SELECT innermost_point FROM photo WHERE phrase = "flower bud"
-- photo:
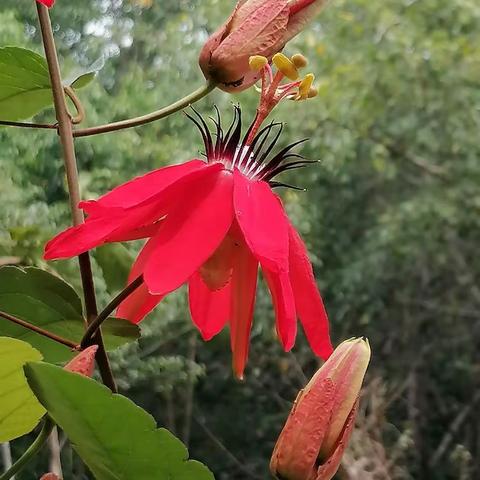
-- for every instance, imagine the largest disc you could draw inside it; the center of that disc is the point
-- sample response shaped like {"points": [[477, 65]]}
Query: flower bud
{"points": [[256, 27], [84, 362], [50, 476], [312, 442]]}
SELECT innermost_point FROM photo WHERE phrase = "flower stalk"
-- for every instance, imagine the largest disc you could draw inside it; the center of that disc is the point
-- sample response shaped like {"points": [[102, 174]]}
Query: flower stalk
{"points": [[184, 102], [65, 131], [89, 336]]}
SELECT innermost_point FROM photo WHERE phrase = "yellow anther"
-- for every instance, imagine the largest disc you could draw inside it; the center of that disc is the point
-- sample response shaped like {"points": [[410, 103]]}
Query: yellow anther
{"points": [[313, 92], [305, 86], [299, 60], [257, 62], [285, 65]]}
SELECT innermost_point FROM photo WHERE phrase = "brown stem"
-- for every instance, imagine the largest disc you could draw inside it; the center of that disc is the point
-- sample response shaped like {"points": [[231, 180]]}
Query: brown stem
{"points": [[150, 117], [66, 137], [89, 336], [40, 331], [80, 116], [7, 123]]}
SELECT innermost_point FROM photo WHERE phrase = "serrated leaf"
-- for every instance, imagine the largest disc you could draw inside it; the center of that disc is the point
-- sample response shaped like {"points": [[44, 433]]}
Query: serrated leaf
{"points": [[24, 83], [47, 301], [20, 411], [116, 439]]}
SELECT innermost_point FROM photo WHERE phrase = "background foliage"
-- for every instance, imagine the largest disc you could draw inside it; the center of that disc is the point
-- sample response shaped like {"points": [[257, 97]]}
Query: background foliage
{"points": [[391, 217]]}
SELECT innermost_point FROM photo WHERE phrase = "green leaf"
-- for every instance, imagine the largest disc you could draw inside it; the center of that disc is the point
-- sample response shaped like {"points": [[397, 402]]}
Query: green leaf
{"points": [[115, 438], [83, 78], [115, 261], [47, 301], [24, 83], [19, 409]]}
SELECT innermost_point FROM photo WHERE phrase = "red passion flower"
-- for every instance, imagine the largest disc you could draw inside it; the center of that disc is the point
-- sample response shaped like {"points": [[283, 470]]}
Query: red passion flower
{"points": [[211, 224]]}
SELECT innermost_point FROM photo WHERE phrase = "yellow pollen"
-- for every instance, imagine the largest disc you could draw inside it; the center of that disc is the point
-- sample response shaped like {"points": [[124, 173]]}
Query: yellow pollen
{"points": [[299, 60], [257, 62], [305, 86], [285, 65]]}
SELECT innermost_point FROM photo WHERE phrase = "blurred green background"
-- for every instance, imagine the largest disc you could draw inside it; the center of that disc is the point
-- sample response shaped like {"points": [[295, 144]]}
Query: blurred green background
{"points": [[391, 218]]}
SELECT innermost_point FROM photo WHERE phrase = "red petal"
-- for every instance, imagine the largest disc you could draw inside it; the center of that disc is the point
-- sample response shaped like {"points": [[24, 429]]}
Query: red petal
{"points": [[48, 3], [118, 224], [284, 304], [244, 286], [141, 302], [135, 234], [192, 231], [210, 309], [142, 188], [76, 240], [308, 301], [144, 219], [262, 221]]}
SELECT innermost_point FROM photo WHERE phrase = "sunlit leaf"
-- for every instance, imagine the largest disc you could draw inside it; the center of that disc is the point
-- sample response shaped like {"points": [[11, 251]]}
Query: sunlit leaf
{"points": [[115, 438], [47, 301], [24, 83], [19, 409], [82, 78]]}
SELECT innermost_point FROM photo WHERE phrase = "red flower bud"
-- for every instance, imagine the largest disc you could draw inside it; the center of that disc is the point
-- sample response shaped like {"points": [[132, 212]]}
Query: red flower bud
{"points": [[84, 362], [49, 476], [311, 444], [256, 27]]}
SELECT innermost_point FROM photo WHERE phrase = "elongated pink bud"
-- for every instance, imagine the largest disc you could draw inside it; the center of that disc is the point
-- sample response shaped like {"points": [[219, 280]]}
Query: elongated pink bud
{"points": [[50, 476], [84, 362], [312, 442], [256, 27]]}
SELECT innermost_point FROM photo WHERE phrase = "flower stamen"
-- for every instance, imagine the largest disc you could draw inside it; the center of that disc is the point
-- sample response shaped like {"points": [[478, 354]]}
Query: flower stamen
{"points": [[272, 91]]}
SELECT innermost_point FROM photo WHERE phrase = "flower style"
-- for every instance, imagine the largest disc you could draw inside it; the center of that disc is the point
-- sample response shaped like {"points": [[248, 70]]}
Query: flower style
{"points": [[256, 27], [47, 3], [314, 438], [211, 224]]}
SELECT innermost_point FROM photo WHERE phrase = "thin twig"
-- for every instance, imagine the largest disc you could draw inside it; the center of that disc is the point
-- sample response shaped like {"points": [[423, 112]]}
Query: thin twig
{"points": [[31, 451], [40, 331], [150, 117], [7, 123], [66, 137], [88, 337]]}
